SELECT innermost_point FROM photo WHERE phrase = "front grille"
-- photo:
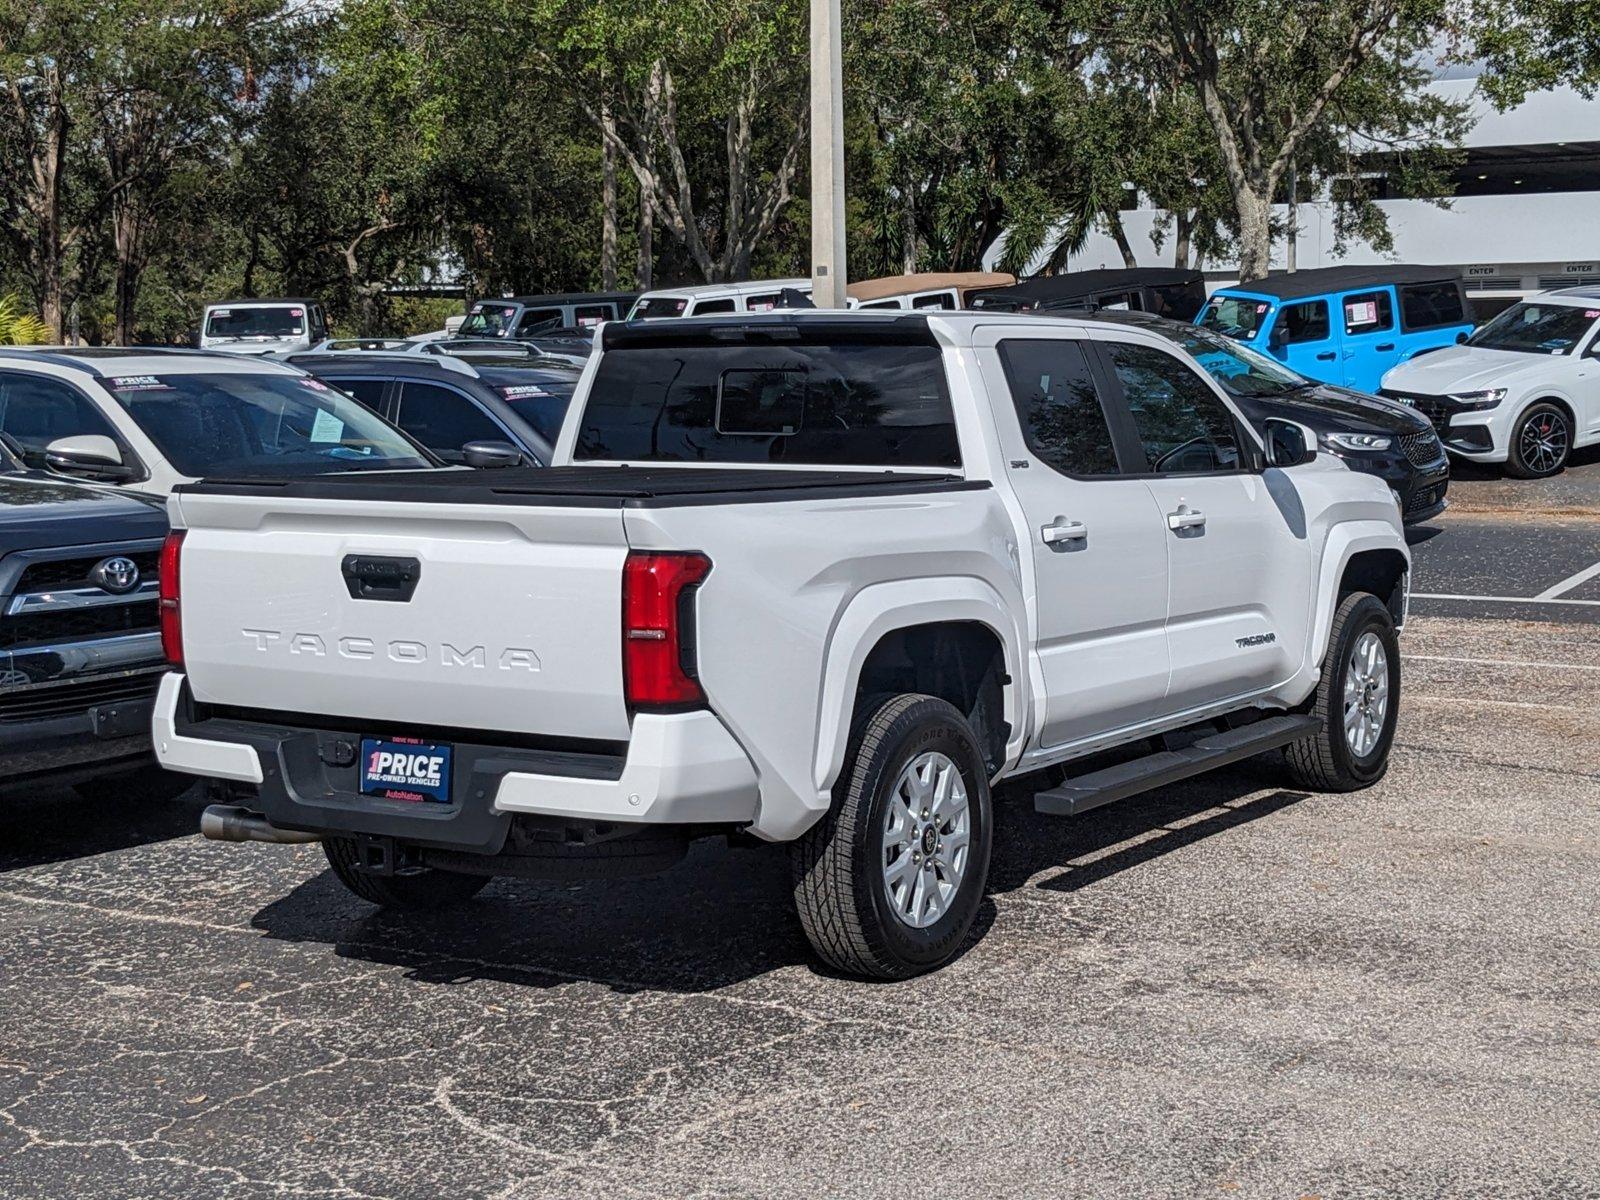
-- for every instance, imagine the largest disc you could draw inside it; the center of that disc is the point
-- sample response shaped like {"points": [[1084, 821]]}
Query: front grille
{"points": [[1422, 499], [1422, 449], [1436, 408], [76, 625], [74, 572], [68, 699]]}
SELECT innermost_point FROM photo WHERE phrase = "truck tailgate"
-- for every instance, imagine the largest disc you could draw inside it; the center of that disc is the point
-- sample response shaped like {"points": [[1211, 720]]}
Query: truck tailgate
{"points": [[511, 622]]}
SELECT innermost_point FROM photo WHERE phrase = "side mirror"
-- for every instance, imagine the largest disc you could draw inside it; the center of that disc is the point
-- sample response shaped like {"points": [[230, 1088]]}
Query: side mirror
{"points": [[1289, 443], [491, 454], [1278, 338], [1461, 338], [91, 455]]}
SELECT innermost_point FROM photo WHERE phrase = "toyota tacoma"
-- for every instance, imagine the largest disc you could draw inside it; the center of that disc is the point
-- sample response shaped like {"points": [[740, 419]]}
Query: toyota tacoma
{"points": [[814, 578]]}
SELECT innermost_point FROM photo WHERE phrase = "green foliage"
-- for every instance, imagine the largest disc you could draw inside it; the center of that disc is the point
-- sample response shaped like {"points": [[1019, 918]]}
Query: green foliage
{"points": [[19, 326], [1531, 45], [159, 154]]}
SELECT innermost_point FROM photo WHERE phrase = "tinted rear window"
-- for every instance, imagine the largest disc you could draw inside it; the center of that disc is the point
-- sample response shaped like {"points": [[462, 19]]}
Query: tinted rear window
{"points": [[1430, 305], [834, 404]]}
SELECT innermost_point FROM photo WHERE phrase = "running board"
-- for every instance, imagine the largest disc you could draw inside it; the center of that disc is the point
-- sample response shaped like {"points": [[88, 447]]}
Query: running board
{"points": [[1169, 766]]}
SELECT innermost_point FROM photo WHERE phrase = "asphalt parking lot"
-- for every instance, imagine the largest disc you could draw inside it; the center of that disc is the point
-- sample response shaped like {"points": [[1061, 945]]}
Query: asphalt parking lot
{"points": [[1226, 988]]}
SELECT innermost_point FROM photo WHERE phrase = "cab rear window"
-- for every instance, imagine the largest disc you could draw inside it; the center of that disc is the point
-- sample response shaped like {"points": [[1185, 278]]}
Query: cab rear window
{"points": [[832, 404]]}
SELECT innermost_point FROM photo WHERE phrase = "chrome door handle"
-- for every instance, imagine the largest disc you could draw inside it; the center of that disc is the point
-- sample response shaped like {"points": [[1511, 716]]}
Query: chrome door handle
{"points": [[1186, 518], [1063, 530]]}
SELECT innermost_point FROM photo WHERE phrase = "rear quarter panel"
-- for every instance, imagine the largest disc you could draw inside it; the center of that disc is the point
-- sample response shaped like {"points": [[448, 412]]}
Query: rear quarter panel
{"points": [[798, 593]]}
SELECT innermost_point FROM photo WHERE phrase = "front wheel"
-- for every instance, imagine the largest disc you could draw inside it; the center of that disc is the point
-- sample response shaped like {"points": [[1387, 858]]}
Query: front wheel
{"points": [[424, 889], [1540, 442], [1357, 704], [888, 883]]}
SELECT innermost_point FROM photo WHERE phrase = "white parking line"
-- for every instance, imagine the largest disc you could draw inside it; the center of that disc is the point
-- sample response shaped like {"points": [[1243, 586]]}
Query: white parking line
{"points": [[1503, 599], [1570, 582], [1500, 662]]}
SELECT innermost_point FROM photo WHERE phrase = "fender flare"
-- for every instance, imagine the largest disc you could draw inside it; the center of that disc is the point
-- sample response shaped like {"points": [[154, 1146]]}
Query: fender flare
{"points": [[885, 607], [1345, 541]]}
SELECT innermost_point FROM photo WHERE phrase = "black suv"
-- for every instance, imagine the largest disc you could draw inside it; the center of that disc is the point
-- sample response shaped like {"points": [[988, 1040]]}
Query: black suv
{"points": [[1378, 437], [80, 642], [479, 409]]}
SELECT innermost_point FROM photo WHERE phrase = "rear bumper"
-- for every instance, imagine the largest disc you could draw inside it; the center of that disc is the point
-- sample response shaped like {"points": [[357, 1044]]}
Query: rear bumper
{"points": [[678, 769]]}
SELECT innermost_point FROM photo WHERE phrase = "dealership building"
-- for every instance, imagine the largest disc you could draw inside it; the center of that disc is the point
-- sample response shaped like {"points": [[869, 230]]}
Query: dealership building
{"points": [[1525, 215]]}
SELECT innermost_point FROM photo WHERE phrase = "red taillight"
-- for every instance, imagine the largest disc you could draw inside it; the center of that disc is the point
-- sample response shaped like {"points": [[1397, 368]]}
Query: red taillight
{"points": [[171, 615], [657, 629]]}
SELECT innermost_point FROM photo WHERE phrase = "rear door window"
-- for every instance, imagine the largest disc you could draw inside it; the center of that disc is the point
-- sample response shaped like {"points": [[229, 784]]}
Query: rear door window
{"points": [[1054, 392], [833, 403], [1431, 306], [706, 307], [944, 300]]}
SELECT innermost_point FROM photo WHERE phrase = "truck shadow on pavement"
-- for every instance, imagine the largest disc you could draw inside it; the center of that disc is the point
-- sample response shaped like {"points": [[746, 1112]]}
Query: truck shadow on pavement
{"points": [[723, 915], [41, 824]]}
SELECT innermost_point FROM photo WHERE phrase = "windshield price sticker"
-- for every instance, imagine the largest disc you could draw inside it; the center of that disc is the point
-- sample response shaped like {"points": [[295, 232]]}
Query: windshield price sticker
{"points": [[222, 312], [1261, 308], [326, 427], [1591, 313], [139, 383], [297, 312], [316, 385], [523, 391]]}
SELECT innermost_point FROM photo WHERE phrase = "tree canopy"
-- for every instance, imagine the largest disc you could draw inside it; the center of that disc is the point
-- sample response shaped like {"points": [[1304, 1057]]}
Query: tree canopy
{"points": [[158, 154]]}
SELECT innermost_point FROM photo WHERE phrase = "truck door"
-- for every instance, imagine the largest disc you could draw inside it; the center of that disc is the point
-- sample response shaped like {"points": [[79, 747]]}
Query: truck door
{"points": [[1236, 610], [1095, 541], [1371, 341], [1304, 337]]}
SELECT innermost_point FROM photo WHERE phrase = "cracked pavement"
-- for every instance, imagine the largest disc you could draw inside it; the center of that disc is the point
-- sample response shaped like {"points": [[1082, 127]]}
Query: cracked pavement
{"points": [[1226, 988]]}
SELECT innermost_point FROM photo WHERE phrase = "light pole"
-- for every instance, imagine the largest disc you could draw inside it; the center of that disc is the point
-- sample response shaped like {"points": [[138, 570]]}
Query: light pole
{"points": [[828, 273]]}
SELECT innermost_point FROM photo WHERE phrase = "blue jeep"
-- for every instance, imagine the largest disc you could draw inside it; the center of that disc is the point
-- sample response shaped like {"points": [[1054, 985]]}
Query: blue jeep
{"points": [[1344, 325]]}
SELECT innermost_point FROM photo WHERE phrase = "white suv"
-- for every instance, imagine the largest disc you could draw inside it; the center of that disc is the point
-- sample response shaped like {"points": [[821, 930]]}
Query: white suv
{"points": [[1523, 390], [148, 419]]}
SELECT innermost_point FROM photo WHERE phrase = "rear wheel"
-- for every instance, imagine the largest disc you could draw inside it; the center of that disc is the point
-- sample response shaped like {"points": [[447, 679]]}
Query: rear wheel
{"points": [[888, 883], [1358, 702], [1540, 442], [422, 889]]}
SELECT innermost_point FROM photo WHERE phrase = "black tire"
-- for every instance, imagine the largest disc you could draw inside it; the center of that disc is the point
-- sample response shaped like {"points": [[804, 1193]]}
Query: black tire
{"points": [[149, 784], [1543, 425], [837, 868], [1325, 761], [424, 889]]}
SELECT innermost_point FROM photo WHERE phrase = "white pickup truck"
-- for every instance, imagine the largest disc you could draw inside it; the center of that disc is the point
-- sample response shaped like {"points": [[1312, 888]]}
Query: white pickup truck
{"points": [[815, 578]]}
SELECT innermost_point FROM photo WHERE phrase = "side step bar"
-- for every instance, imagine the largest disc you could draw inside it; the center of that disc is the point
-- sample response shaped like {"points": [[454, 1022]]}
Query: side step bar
{"points": [[1169, 766]]}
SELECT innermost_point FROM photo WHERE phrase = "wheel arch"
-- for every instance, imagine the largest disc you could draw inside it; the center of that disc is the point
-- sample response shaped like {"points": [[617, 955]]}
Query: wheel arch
{"points": [[1360, 556], [961, 644]]}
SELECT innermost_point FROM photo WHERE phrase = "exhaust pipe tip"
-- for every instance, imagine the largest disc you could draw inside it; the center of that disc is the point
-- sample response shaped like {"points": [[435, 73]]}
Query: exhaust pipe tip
{"points": [[229, 823]]}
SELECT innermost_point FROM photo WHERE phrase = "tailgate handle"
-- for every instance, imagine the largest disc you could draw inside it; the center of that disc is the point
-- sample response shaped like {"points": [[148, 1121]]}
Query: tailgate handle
{"points": [[370, 577]]}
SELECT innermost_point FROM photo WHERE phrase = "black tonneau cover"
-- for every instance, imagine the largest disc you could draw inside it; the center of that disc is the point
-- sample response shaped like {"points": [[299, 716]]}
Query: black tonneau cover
{"points": [[586, 486]]}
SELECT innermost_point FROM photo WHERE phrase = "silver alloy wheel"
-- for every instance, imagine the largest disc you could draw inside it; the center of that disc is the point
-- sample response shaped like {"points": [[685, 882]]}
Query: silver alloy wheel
{"points": [[1543, 442], [1366, 694], [927, 831]]}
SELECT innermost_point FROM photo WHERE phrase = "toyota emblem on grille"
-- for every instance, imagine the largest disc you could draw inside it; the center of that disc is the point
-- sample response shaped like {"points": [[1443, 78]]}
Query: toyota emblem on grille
{"points": [[116, 575]]}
